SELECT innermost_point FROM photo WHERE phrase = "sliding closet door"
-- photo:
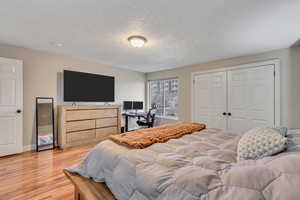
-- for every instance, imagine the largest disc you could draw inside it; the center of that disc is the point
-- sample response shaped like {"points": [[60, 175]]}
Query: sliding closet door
{"points": [[209, 99], [251, 98]]}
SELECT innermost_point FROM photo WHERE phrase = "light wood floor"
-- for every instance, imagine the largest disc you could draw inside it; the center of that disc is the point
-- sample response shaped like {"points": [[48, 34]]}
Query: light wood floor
{"points": [[39, 176]]}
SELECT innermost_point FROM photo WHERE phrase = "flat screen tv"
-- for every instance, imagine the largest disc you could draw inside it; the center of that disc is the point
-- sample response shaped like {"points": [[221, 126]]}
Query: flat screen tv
{"points": [[85, 87]]}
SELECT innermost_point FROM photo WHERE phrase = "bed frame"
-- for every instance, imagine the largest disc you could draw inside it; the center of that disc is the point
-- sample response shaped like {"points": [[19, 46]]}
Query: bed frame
{"points": [[87, 189]]}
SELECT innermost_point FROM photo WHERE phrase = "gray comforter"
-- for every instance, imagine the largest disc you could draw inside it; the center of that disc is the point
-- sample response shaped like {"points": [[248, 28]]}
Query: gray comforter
{"points": [[201, 166]]}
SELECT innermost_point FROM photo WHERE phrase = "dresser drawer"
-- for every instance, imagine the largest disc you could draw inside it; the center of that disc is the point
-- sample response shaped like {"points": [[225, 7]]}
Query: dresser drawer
{"points": [[80, 135], [106, 122], [80, 125], [103, 133], [105, 113], [72, 115]]}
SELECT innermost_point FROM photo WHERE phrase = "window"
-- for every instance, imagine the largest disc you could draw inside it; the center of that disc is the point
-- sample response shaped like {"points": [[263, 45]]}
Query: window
{"points": [[164, 94]]}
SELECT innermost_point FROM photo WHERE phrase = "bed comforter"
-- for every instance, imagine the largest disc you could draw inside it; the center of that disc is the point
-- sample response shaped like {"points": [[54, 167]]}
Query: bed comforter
{"points": [[201, 166]]}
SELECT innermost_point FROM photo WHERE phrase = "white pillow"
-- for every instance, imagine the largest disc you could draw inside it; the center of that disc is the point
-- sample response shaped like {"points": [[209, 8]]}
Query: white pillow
{"points": [[260, 142]]}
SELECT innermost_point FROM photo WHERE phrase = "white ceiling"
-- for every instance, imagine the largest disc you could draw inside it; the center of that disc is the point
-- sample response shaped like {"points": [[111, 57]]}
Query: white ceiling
{"points": [[179, 32]]}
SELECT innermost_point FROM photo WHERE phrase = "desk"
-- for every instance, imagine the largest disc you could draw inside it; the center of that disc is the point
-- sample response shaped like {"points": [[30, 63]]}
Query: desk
{"points": [[133, 115]]}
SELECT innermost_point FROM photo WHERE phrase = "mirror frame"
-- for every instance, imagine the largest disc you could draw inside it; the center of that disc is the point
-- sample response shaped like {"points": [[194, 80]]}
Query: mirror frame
{"points": [[36, 123]]}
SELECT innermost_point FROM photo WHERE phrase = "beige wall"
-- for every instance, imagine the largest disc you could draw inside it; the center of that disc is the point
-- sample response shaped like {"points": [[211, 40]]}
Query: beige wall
{"points": [[290, 81], [42, 77]]}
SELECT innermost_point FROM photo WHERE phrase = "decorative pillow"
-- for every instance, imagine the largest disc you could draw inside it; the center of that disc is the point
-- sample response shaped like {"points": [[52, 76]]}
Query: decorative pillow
{"points": [[260, 142], [282, 130]]}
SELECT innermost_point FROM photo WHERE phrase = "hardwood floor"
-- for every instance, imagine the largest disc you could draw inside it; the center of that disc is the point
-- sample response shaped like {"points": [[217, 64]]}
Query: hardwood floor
{"points": [[39, 176]]}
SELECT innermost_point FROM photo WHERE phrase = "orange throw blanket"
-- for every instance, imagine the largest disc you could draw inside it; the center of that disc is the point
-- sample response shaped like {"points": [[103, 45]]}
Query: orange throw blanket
{"points": [[143, 138]]}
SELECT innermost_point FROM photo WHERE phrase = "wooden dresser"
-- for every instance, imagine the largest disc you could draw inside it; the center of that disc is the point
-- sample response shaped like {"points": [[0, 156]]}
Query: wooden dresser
{"points": [[79, 125]]}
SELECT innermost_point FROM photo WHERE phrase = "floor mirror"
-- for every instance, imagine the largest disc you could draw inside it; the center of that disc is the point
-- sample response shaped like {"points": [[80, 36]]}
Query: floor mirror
{"points": [[45, 137]]}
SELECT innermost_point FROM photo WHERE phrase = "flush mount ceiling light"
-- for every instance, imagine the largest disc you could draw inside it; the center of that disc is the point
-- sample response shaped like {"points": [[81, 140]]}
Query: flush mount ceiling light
{"points": [[137, 41]]}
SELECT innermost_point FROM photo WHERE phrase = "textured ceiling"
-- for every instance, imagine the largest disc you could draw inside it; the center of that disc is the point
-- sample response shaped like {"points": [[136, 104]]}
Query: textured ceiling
{"points": [[179, 32]]}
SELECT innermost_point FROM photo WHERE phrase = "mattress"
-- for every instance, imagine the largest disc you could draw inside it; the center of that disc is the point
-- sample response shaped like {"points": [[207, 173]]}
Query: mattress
{"points": [[201, 166]]}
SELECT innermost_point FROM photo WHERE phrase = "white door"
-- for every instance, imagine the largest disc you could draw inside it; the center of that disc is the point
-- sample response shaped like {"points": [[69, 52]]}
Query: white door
{"points": [[11, 106], [251, 98], [209, 99]]}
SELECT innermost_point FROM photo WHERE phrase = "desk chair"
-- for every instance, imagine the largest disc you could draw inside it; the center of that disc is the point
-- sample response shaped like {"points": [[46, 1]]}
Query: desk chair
{"points": [[148, 120]]}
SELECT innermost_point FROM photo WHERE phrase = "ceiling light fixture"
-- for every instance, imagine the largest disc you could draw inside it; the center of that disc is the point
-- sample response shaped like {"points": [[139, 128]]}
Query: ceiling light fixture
{"points": [[137, 41]]}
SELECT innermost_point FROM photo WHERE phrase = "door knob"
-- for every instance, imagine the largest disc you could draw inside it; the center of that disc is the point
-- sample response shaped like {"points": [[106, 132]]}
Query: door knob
{"points": [[229, 114], [224, 113], [19, 111]]}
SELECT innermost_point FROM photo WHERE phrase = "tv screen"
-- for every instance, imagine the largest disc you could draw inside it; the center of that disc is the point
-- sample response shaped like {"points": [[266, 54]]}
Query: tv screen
{"points": [[85, 87]]}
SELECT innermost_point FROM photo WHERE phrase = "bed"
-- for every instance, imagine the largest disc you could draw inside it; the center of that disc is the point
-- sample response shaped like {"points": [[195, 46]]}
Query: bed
{"points": [[201, 165]]}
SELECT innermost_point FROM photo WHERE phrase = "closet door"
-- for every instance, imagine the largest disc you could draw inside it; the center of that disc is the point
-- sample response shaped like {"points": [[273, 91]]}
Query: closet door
{"points": [[251, 98], [210, 99]]}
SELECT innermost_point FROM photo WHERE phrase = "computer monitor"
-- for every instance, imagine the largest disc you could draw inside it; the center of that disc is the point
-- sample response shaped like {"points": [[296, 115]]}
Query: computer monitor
{"points": [[127, 105], [137, 105]]}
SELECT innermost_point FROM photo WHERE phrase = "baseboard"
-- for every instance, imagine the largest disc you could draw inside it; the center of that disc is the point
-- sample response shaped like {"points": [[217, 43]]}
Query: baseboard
{"points": [[29, 148]]}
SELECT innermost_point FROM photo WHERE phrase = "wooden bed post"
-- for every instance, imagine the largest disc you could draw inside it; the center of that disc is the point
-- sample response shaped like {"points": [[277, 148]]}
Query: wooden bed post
{"points": [[87, 189], [76, 194]]}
